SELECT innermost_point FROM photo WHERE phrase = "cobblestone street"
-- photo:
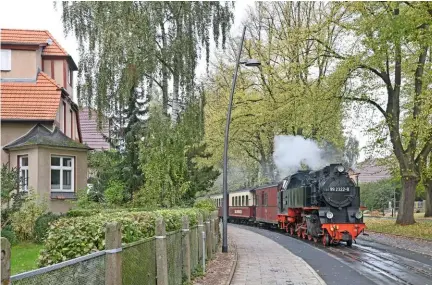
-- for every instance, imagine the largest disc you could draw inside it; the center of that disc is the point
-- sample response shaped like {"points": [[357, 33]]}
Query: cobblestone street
{"points": [[263, 261]]}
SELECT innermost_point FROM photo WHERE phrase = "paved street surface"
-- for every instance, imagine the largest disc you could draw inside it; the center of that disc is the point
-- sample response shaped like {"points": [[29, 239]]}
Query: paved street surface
{"points": [[365, 263], [263, 261]]}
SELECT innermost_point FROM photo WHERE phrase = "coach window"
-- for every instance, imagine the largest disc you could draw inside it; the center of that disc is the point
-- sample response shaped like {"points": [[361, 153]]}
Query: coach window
{"points": [[243, 201], [247, 200]]}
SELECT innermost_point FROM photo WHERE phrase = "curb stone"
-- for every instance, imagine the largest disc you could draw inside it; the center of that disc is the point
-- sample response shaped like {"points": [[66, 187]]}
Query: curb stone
{"points": [[234, 266]]}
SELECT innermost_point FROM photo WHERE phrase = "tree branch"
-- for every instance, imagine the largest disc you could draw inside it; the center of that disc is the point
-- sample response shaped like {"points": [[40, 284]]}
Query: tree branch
{"points": [[367, 100], [418, 86], [154, 80], [427, 148]]}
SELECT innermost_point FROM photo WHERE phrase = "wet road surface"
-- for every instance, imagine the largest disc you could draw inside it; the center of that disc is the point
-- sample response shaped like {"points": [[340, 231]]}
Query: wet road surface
{"points": [[364, 263]]}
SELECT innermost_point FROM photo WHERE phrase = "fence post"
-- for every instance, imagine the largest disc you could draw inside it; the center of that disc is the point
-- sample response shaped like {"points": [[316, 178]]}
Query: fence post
{"points": [[200, 238], [209, 238], [186, 249], [161, 253], [113, 259], [212, 229], [216, 233], [5, 261]]}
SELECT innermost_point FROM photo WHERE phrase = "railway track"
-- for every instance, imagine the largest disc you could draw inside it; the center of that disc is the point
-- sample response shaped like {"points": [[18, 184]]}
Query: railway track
{"points": [[383, 268], [376, 264]]}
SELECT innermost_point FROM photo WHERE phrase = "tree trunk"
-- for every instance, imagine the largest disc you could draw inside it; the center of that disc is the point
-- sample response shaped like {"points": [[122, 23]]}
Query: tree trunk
{"points": [[428, 202], [164, 90], [175, 99], [406, 204], [164, 72]]}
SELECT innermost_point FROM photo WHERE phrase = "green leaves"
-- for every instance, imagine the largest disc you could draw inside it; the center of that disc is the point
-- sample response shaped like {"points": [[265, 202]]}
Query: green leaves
{"points": [[167, 157], [143, 43], [73, 237]]}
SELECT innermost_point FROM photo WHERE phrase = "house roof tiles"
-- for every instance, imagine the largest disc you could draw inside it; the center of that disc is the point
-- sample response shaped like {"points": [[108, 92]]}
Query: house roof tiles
{"points": [[90, 133], [37, 100], [41, 135], [37, 37]]}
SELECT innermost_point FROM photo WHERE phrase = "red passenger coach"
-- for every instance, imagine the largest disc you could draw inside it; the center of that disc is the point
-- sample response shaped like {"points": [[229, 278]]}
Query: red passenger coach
{"points": [[266, 204], [241, 213]]}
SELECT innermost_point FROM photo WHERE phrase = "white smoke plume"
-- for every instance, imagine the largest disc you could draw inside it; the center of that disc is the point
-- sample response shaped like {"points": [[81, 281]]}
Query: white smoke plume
{"points": [[291, 152]]}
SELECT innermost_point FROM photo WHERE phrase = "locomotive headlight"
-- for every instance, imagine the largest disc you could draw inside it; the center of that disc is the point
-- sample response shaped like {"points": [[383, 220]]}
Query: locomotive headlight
{"points": [[340, 168], [329, 215], [359, 215]]}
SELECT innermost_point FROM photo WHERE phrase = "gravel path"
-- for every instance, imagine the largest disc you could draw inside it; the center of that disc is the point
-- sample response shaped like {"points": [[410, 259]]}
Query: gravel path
{"points": [[412, 244], [218, 269]]}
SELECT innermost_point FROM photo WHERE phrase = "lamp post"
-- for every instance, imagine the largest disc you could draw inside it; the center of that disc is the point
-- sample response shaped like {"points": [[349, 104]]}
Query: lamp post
{"points": [[249, 62]]}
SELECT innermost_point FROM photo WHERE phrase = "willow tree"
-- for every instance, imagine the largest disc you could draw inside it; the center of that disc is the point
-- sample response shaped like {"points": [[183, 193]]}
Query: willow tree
{"points": [[386, 63], [284, 96], [161, 41]]}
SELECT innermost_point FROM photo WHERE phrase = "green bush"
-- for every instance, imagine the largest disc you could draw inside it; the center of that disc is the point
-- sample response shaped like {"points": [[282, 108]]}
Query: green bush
{"points": [[205, 204], [7, 232], [41, 226], [24, 219], [114, 194], [76, 236], [82, 212]]}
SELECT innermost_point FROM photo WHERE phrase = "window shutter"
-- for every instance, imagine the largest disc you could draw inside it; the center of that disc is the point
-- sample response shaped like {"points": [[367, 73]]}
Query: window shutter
{"points": [[5, 59]]}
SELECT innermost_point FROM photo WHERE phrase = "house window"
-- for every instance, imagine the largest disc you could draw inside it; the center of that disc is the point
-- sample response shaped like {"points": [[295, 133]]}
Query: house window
{"points": [[23, 173], [71, 124], [62, 174], [6, 60], [69, 76], [64, 118]]}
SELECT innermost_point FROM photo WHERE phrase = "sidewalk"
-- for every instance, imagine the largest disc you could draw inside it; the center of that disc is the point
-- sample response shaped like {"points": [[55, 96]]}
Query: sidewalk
{"points": [[265, 262]]}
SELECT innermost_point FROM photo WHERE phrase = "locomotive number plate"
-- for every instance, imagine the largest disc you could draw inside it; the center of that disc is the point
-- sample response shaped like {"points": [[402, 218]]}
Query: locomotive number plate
{"points": [[238, 211], [339, 189]]}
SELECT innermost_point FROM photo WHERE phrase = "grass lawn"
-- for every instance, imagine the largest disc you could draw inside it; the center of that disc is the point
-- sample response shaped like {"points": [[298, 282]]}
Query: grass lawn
{"points": [[421, 216], [422, 228], [24, 257]]}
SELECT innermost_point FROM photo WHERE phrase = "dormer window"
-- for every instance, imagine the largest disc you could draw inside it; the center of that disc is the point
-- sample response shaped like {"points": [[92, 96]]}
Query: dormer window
{"points": [[69, 76], [6, 60]]}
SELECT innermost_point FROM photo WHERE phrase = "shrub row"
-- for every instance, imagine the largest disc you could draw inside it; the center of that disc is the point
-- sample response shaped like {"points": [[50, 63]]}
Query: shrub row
{"points": [[77, 236]]}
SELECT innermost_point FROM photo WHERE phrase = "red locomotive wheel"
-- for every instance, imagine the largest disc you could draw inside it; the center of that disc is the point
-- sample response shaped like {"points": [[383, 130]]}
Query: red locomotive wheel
{"points": [[304, 234], [326, 240], [299, 233]]}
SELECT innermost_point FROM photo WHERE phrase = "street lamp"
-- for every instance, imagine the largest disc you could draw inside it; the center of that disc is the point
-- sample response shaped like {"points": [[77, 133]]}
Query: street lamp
{"points": [[252, 63]]}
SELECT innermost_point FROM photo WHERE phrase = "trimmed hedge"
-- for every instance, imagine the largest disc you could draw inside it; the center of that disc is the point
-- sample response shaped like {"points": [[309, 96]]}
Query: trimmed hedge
{"points": [[77, 236]]}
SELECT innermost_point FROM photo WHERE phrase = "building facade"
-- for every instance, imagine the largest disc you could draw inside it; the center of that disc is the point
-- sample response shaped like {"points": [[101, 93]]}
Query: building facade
{"points": [[40, 124]]}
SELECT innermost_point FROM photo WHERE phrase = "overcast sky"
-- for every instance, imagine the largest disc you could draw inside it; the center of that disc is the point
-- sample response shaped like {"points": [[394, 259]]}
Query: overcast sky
{"points": [[42, 15]]}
